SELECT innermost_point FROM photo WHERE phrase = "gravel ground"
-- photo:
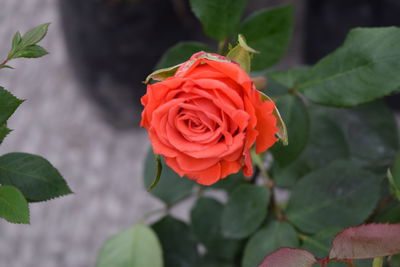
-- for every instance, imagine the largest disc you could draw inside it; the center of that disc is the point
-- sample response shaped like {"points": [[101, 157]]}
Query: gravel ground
{"points": [[102, 166]]}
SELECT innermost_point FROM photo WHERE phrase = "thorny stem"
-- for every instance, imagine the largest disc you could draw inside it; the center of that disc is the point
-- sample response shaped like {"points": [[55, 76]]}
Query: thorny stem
{"points": [[4, 61], [326, 260]]}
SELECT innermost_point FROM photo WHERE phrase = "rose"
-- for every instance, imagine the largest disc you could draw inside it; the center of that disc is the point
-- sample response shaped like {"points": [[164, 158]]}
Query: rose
{"points": [[206, 117]]}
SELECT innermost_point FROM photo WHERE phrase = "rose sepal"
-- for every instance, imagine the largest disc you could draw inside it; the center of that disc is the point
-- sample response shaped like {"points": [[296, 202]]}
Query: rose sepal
{"points": [[198, 57], [242, 54], [280, 124], [158, 173], [162, 74]]}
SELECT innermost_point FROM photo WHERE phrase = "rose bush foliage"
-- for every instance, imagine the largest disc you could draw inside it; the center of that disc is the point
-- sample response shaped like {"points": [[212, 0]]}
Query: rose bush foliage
{"points": [[207, 121]]}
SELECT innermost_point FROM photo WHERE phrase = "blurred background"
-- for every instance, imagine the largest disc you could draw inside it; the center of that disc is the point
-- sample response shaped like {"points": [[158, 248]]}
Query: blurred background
{"points": [[82, 109]]}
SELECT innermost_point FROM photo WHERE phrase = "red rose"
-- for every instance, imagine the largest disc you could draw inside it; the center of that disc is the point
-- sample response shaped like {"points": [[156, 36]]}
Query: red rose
{"points": [[205, 119]]}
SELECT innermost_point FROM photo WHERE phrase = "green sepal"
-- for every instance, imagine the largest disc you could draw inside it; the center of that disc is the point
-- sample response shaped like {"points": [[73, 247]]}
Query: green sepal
{"points": [[242, 54], [280, 124], [158, 173], [162, 74]]}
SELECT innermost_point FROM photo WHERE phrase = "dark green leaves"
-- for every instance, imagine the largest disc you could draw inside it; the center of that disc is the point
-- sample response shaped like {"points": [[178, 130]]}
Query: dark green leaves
{"points": [[8, 104], [364, 68], [13, 206], [295, 115], [273, 236], [26, 45], [269, 32], [320, 243], [137, 246], [245, 211], [33, 175], [219, 18], [205, 217], [4, 131], [171, 188], [339, 195], [370, 131], [180, 53], [178, 243]]}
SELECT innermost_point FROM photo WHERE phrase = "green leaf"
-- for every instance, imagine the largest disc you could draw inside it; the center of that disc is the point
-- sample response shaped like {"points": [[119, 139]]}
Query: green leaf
{"points": [[333, 136], [395, 260], [34, 35], [269, 32], [137, 246], [327, 141], [390, 215], [8, 104], [16, 40], [295, 116], [245, 211], [180, 52], [208, 231], [229, 183], [288, 176], [271, 237], [364, 68], [219, 18], [171, 188], [32, 51], [13, 206], [289, 78], [376, 139], [339, 195], [209, 261], [33, 175], [4, 131], [320, 243], [178, 243]]}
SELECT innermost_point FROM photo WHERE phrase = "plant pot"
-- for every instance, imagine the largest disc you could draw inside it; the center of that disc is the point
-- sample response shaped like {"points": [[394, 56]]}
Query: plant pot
{"points": [[114, 44]]}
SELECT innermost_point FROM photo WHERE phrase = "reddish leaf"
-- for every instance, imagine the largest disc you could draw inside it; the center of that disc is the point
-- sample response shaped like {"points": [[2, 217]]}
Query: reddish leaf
{"points": [[289, 257], [366, 241]]}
